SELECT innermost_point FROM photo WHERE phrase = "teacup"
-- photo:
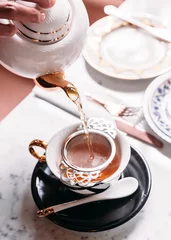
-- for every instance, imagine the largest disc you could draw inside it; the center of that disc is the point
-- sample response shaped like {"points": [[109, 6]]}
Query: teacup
{"points": [[80, 176]]}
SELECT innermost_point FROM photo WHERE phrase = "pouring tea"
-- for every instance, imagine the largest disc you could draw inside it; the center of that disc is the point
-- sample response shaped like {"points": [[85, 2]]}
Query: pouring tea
{"points": [[48, 47], [43, 51]]}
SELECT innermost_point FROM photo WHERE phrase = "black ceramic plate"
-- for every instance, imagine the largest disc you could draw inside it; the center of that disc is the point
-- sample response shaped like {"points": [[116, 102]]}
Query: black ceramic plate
{"points": [[47, 191]]}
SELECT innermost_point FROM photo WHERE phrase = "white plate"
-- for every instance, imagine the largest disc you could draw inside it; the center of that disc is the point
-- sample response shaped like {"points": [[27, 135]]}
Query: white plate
{"points": [[117, 49], [157, 106]]}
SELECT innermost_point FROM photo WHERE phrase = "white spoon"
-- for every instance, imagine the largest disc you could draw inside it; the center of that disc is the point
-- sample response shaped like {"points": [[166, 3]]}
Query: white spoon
{"points": [[120, 189], [161, 33]]}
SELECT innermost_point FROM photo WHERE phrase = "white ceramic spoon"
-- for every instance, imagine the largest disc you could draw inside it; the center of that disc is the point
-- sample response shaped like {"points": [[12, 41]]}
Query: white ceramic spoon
{"points": [[121, 189], [161, 33]]}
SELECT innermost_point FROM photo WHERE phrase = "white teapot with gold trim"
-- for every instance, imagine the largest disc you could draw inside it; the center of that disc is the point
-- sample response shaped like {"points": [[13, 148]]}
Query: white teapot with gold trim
{"points": [[49, 47]]}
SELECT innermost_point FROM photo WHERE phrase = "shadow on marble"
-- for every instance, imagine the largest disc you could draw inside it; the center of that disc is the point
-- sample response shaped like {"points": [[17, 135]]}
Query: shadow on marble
{"points": [[166, 150], [166, 146], [117, 84]]}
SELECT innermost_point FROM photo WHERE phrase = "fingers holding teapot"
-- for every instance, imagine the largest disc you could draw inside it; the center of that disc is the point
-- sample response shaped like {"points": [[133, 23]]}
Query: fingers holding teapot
{"points": [[43, 3], [21, 12]]}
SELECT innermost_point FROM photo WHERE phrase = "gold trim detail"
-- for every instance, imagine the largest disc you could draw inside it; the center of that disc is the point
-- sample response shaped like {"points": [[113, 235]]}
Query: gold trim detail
{"points": [[45, 41], [114, 70], [49, 33], [45, 212], [38, 143]]}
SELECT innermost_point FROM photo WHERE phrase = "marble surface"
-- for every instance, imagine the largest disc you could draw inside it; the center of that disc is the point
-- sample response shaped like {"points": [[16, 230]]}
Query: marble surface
{"points": [[35, 118]]}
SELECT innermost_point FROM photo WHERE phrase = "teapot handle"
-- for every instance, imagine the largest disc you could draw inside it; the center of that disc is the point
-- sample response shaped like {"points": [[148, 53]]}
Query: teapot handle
{"points": [[41, 144]]}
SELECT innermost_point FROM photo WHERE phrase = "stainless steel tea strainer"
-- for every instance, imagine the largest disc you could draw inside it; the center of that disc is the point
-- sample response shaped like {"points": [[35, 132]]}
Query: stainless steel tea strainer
{"points": [[103, 133]]}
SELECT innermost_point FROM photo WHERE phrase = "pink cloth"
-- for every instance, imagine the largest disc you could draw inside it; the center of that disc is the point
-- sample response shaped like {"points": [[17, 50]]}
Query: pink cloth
{"points": [[13, 89]]}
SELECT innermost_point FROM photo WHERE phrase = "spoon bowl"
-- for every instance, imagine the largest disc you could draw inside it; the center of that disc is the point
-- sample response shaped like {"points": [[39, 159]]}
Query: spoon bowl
{"points": [[123, 188], [160, 33]]}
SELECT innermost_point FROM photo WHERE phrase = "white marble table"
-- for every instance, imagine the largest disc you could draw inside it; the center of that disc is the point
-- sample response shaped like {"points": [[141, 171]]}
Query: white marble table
{"points": [[35, 118]]}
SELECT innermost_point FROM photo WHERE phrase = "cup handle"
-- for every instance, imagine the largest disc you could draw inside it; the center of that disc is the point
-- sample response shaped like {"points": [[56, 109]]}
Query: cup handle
{"points": [[41, 144]]}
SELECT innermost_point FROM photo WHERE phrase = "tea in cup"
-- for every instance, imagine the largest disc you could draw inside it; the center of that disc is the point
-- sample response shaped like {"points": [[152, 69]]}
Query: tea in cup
{"points": [[68, 156], [82, 167]]}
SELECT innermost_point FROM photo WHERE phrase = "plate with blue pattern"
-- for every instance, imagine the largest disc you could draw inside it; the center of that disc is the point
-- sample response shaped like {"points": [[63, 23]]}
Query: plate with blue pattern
{"points": [[157, 106]]}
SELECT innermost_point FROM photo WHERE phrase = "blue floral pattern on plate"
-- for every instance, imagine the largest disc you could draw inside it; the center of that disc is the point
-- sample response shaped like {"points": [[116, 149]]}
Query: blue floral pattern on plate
{"points": [[159, 107]]}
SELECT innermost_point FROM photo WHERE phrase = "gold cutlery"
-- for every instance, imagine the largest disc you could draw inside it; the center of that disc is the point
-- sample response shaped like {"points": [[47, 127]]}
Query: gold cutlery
{"points": [[115, 109], [119, 111]]}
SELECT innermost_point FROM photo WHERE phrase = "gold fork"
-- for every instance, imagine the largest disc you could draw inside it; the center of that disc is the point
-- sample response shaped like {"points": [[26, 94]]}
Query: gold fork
{"points": [[114, 109]]}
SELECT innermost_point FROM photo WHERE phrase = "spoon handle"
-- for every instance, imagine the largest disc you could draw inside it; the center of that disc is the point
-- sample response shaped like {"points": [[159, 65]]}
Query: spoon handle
{"points": [[50, 210], [162, 34], [120, 189]]}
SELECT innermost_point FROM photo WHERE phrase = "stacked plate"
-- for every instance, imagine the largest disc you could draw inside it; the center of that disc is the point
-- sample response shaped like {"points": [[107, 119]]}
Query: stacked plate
{"points": [[118, 49], [157, 106]]}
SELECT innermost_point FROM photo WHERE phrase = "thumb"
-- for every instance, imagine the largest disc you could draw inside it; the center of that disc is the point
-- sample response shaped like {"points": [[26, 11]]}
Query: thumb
{"points": [[7, 30]]}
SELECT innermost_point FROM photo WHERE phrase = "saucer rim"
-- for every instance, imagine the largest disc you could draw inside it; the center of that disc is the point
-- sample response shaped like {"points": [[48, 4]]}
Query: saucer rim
{"points": [[120, 76], [109, 226], [147, 101], [151, 108]]}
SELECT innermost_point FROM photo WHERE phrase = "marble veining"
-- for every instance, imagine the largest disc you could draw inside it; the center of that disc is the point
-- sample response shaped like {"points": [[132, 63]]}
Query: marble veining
{"points": [[34, 118]]}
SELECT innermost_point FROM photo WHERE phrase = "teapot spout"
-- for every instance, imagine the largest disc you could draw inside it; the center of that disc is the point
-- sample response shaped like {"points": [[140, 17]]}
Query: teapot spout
{"points": [[57, 80]]}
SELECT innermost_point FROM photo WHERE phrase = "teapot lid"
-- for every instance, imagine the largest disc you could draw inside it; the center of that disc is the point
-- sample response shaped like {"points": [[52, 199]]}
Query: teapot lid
{"points": [[55, 27]]}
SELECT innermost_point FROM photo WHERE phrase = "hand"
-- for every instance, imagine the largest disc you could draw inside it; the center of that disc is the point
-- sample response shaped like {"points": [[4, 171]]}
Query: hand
{"points": [[19, 12]]}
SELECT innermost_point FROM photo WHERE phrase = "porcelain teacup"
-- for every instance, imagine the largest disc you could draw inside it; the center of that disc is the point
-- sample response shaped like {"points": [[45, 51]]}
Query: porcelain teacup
{"points": [[85, 179]]}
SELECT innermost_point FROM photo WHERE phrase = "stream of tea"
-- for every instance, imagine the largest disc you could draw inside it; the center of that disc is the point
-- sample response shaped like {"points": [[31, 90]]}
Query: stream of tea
{"points": [[75, 97], [52, 81]]}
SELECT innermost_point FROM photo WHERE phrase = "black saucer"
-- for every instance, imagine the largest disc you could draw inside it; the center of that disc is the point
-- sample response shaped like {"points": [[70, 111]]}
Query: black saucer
{"points": [[47, 191]]}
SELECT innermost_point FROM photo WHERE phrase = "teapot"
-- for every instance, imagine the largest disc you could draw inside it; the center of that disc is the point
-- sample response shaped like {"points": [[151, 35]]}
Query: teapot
{"points": [[42, 49]]}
